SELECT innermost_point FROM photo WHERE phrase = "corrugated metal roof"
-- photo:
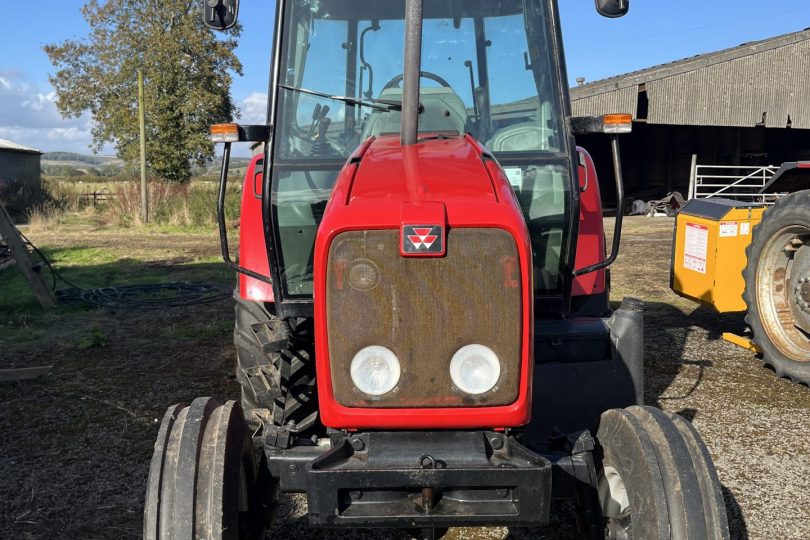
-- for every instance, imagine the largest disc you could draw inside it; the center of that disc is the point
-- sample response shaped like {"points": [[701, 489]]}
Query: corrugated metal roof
{"points": [[619, 101], [733, 87], [8, 145]]}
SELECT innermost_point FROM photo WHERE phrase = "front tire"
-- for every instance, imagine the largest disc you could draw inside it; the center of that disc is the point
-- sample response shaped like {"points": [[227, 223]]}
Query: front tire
{"points": [[203, 479], [657, 480]]}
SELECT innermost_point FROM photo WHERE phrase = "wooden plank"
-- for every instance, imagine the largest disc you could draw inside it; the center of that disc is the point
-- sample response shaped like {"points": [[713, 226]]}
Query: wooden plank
{"points": [[23, 374], [20, 253]]}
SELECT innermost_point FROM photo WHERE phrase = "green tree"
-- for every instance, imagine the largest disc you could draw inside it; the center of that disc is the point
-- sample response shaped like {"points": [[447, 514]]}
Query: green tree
{"points": [[187, 72]]}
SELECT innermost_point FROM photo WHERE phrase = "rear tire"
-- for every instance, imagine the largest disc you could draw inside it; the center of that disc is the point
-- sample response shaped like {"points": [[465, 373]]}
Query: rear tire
{"points": [[203, 477], [771, 278], [275, 369], [657, 480]]}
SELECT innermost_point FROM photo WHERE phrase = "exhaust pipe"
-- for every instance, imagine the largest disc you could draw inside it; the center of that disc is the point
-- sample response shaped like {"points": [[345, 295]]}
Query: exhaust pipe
{"points": [[412, 72]]}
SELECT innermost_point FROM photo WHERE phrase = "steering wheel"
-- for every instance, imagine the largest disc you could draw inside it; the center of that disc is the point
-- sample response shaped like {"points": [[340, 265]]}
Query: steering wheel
{"points": [[394, 83]]}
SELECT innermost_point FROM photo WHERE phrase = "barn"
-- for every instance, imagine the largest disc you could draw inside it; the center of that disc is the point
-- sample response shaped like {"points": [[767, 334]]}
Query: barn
{"points": [[20, 176], [748, 106]]}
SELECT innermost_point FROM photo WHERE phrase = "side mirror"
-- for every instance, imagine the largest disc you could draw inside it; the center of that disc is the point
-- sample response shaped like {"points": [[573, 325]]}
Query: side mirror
{"points": [[612, 8], [220, 14]]}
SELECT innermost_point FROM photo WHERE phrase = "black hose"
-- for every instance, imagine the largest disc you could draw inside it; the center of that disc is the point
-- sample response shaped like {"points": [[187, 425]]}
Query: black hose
{"points": [[147, 296], [156, 296]]}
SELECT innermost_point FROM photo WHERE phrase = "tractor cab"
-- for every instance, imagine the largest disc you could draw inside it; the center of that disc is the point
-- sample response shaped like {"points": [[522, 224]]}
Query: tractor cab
{"points": [[490, 70]]}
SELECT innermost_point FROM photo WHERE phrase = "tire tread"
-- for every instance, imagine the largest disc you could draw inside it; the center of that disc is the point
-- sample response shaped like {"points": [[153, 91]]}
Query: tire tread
{"points": [[267, 395], [672, 484]]}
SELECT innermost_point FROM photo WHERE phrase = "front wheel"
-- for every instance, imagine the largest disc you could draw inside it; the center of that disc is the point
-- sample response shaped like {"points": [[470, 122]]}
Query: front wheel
{"points": [[657, 480], [203, 480]]}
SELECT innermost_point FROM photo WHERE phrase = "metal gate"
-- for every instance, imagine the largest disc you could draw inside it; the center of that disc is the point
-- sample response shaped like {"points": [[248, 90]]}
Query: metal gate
{"points": [[737, 182]]}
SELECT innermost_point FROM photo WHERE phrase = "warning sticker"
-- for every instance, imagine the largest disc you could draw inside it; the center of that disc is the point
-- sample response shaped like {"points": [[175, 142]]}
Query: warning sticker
{"points": [[697, 243], [728, 228], [745, 228]]}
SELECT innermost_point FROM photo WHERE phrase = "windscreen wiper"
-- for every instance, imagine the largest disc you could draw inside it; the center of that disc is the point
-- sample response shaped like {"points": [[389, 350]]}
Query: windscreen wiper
{"points": [[377, 104]]}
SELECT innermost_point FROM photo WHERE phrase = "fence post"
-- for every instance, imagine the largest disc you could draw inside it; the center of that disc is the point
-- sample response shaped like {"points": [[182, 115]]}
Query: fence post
{"points": [[142, 125], [692, 178]]}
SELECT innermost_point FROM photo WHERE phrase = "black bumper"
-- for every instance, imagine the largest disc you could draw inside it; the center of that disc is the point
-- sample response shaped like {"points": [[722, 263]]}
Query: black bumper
{"points": [[428, 479]]}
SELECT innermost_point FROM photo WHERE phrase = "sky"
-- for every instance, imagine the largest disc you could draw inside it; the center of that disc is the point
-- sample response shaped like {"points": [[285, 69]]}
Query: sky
{"points": [[654, 32]]}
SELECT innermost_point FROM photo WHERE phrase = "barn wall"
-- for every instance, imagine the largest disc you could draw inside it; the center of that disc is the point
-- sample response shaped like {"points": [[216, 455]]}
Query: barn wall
{"points": [[20, 179]]}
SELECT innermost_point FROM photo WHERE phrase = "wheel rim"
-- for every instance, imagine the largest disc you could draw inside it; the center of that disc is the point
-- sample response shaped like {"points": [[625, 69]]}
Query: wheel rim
{"points": [[783, 291], [615, 504]]}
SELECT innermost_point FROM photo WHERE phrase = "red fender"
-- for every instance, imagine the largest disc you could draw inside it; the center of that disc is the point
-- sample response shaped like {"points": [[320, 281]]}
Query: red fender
{"points": [[252, 248], [591, 240]]}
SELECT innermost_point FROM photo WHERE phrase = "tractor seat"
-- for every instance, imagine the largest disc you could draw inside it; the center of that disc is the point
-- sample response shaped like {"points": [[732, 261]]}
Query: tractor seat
{"points": [[523, 137], [526, 136], [443, 111]]}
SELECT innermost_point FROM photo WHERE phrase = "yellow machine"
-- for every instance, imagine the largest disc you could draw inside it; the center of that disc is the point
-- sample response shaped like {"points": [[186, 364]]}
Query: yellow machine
{"points": [[711, 236]]}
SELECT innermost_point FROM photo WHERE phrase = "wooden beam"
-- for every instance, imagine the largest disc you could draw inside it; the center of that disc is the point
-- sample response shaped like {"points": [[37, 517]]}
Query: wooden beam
{"points": [[20, 253], [23, 374]]}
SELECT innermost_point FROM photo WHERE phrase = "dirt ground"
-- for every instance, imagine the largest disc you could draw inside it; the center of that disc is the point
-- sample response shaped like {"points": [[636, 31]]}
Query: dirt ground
{"points": [[76, 443]]}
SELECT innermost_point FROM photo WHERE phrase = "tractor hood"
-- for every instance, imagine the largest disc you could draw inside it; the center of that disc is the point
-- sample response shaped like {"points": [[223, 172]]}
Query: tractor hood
{"points": [[444, 181], [412, 238], [439, 170]]}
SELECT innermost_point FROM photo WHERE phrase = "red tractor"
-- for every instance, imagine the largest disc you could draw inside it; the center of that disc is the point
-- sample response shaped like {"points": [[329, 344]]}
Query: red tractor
{"points": [[422, 320]]}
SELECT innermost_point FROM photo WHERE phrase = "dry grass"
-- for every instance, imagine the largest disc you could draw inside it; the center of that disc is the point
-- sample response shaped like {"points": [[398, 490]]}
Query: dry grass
{"points": [[174, 205], [58, 200], [191, 205], [125, 209]]}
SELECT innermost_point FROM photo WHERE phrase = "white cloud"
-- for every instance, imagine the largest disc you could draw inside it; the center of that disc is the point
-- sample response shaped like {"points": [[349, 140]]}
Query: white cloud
{"points": [[28, 116], [68, 134], [253, 108]]}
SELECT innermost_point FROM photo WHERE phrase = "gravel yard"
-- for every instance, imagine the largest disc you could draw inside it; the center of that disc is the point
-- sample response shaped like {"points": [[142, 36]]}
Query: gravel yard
{"points": [[76, 443]]}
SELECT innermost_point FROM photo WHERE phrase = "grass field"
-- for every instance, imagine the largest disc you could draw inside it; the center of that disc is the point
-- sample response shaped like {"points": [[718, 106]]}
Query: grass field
{"points": [[76, 442]]}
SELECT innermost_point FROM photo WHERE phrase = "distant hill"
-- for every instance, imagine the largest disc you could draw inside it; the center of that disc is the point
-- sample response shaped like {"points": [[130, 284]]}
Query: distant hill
{"points": [[236, 162], [68, 164], [63, 158]]}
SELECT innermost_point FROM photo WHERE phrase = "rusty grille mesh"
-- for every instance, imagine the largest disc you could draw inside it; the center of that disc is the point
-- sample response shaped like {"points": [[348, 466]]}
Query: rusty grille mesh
{"points": [[424, 310]]}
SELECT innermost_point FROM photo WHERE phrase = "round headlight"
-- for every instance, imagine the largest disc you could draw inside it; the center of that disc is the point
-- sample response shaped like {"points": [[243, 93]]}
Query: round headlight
{"points": [[475, 369], [375, 370], [364, 275]]}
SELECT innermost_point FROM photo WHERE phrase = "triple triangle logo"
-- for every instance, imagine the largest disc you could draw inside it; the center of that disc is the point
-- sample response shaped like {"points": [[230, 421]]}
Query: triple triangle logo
{"points": [[422, 239]]}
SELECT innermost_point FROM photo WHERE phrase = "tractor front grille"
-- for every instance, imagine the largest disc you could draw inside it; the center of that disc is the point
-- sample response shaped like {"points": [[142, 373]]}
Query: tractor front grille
{"points": [[424, 310]]}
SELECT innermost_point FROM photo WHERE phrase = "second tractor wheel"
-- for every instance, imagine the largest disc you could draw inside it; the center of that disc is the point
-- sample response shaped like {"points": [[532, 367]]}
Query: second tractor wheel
{"points": [[777, 287], [203, 479], [657, 480], [275, 368]]}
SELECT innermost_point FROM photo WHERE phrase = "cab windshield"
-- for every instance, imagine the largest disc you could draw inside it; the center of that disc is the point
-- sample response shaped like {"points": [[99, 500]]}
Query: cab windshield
{"points": [[487, 70]]}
